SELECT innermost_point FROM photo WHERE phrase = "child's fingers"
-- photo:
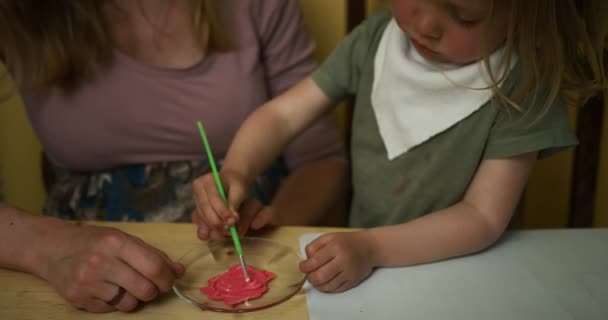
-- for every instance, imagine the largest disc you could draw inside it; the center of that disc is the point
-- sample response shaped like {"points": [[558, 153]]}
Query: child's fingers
{"points": [[208, 214], [324, 276], [344, 286], [203, 231], [217, 203], [317, 244], [250, 210], [215, 234], [316, 261], [196, 217], [338, 281], [205, 211], [236, 194], [263, 218], [243, 226]]}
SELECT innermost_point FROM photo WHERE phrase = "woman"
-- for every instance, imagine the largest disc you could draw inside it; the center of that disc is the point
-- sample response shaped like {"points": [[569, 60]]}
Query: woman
{"points": [[114, 89]]}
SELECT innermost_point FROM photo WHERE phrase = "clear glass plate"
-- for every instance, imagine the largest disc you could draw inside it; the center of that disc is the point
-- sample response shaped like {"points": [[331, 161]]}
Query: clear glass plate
{"points": [[212, 258]]}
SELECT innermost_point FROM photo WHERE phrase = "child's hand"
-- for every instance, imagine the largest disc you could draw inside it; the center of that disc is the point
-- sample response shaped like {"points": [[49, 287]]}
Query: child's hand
{"points": [[339, 261], [210, 207], [213, 217], [253, 215]]}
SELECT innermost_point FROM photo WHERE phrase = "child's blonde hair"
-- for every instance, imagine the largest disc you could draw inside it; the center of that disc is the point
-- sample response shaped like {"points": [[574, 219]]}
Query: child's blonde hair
{"points": [[561, 45], [61, 42]]}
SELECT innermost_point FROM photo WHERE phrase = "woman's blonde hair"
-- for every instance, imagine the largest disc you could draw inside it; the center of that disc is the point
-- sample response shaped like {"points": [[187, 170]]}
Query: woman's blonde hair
{"points": [[561, 46], [61, 42]]}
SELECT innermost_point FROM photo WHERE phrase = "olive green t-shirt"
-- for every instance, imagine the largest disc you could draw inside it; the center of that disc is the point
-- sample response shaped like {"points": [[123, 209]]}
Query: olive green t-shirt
{"points": [[435, 174]]}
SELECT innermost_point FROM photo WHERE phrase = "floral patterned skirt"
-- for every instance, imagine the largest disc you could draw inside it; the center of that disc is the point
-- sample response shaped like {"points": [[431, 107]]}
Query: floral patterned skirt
{"points": [[159, 192]]}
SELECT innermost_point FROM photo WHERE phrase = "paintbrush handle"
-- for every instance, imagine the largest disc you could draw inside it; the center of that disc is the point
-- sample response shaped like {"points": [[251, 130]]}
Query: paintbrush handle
{"points": [[220, 188]]}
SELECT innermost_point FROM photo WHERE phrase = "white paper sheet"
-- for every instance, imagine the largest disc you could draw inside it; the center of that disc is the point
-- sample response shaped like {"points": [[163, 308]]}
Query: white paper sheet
{"points": [[556, 274]]}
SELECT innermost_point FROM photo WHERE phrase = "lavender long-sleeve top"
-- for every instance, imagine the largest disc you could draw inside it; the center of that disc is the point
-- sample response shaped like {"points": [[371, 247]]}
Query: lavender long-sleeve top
{"points": [[134, 113]]}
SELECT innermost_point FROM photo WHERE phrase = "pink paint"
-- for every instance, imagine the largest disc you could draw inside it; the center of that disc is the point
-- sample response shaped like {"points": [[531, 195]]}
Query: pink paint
{"points": [[232, 288]]}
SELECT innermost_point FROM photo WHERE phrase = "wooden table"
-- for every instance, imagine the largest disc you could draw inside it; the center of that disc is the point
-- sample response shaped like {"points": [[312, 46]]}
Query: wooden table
{"points": [[24, 296], [562, 274]]}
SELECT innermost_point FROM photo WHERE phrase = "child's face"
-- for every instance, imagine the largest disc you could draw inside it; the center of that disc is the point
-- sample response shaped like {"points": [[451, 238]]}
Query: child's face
{"points": [[450, 30]]}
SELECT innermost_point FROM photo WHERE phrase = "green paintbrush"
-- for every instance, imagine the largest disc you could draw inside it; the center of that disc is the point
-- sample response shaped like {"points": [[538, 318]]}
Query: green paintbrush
{"points": [[220, 188]]}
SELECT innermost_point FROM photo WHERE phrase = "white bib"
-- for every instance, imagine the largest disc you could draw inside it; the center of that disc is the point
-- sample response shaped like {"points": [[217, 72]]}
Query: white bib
{"points": [[415, 99]]}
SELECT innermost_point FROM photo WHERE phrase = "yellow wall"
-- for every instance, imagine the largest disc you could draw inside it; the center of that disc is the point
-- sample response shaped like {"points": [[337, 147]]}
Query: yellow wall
{"points": [[326, 22], [19, 153], [376, 5], [547, 196]]}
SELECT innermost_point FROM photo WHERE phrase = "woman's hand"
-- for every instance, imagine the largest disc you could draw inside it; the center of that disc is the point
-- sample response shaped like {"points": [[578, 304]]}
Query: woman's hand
{"points": [[339, 261], [103, 269]]}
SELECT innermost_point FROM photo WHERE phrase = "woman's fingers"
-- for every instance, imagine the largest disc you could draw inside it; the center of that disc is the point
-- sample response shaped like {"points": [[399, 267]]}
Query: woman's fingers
{"points": [[96, 305], [123, 300], [150, 269], [134, 283], [177, 268]]}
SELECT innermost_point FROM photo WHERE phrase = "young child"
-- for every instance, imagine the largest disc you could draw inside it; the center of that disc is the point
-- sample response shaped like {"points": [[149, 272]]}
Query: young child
{"points": [[455, 101]]}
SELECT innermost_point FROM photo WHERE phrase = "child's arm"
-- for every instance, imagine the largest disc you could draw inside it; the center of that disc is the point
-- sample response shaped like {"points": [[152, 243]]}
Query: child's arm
{"points": [[264, 135], [340, 261], [471, 225], [259, 141]]}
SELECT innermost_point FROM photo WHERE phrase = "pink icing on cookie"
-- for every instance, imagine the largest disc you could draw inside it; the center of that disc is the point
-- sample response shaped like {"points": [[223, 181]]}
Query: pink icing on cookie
{"points": [[232, 288]]}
